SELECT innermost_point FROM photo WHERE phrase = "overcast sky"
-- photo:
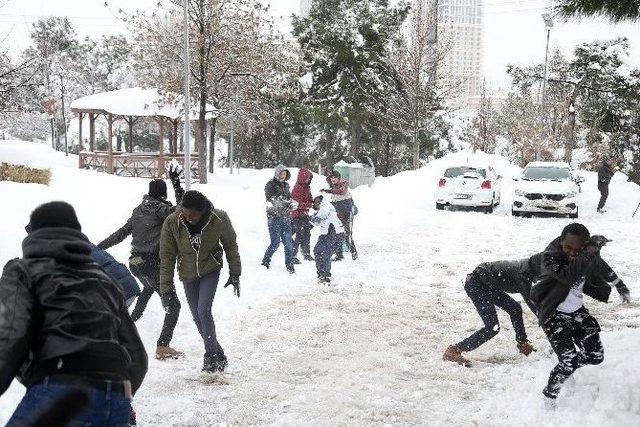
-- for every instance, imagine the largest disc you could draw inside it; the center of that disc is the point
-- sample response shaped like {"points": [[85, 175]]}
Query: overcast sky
{"points": [[514, 30]]}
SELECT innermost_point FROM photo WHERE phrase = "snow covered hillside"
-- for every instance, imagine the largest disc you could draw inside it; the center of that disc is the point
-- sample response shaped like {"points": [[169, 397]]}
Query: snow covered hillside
{"points": [[366, 350]]}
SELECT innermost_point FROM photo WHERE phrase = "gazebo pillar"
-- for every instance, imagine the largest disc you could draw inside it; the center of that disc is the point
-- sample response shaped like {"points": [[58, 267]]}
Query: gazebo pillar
{"points": [[175, 136], [109, 144], [160, 171], [92, 132], [80, 144], [130, 123]]}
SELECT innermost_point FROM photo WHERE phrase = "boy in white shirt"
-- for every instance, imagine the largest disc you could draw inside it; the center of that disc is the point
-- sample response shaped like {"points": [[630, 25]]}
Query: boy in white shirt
{"points": [[330, 227]]}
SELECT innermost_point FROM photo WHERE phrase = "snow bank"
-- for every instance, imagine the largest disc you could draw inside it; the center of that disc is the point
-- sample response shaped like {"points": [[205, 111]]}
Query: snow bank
{"points": [[34, 154], [367, 350]]}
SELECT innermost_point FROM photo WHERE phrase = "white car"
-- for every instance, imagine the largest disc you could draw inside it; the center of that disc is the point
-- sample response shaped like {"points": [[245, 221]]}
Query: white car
{"points": [[469, 186], [546, 187]]}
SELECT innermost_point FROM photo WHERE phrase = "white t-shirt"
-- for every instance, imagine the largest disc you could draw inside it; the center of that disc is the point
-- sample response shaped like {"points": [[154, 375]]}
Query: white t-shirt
{"points": [[573, 301]]}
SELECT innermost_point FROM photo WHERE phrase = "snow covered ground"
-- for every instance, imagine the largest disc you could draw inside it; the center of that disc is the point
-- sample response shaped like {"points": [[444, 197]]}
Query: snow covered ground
{"points": [[367, 350]]}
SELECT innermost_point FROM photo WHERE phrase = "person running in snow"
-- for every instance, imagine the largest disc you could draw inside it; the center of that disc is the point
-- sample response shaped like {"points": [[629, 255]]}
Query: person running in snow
{"points": [[572, 266], [343, 202], [197, 236], [330, 226], [488, 287], [279, 207], [144, 226], [65, 328], [301, 193], [605, 174]]}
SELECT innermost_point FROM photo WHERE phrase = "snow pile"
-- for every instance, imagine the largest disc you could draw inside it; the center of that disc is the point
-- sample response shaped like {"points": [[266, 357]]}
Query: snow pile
{"points": [[34, 155], [367, 350]]}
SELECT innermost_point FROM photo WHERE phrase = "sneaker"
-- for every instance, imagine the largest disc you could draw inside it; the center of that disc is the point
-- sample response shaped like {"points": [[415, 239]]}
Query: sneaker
{"points": [[165, 352], [296, 260], [308, 257], [290, 268], [209, 364], [453, 354], [603, 210], [221, 363], [266, 264], [322, 279], [354, 255]]}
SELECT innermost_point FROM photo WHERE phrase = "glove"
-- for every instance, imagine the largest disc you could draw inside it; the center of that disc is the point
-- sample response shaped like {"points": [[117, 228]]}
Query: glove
{"points": [[235, 282], [324, 190], [598, 241], [175, 172], [168, 300], [526, 348], [625, 296], [294, 205]]}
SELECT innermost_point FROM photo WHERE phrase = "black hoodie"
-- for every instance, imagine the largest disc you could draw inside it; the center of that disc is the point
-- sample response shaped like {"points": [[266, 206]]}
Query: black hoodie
{"points": [[61, 313]]}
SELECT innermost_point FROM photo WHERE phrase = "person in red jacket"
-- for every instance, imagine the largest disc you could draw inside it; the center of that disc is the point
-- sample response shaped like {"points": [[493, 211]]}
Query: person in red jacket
{"points": [[300, 217]]}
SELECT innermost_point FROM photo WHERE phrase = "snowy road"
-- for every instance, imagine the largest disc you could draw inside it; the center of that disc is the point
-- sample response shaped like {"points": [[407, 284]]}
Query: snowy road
{"points": [[367, 350]]}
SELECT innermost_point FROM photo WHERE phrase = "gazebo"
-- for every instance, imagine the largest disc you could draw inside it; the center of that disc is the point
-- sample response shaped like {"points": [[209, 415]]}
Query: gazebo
{"points": [[130, 105]]}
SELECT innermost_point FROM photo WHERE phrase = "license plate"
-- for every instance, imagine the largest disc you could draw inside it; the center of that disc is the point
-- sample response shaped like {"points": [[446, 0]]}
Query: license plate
{"points": [[463, 196]]}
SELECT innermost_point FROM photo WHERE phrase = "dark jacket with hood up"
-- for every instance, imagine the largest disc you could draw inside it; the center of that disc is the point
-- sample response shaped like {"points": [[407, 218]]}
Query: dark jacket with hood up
{"points": [[605, 174], [302, 193], [278, 195], [552, 286], [61, 313], [145, 225]]}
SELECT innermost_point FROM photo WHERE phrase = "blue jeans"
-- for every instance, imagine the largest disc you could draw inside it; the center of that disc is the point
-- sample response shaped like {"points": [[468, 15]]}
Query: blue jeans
{"points": [[106, 408], [200, 294], [323, 250], [279, 231]]}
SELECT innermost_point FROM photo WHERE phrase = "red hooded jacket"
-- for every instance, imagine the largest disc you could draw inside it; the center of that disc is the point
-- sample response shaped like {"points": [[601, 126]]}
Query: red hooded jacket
{"points": [[302, 193]]}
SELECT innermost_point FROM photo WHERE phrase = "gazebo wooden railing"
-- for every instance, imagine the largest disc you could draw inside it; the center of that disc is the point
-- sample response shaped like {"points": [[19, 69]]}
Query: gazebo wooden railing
{"points": [[137, 165]]}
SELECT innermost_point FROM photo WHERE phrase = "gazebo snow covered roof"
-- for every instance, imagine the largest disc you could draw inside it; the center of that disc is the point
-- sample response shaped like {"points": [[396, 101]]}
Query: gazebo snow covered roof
{"points": [[138, 102]]}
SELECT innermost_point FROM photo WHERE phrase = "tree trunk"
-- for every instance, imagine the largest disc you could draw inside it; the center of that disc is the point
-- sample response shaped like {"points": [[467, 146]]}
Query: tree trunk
{"points": [[212, 147], [329, 152], [356, 136], [201, 139], [415, 147]]}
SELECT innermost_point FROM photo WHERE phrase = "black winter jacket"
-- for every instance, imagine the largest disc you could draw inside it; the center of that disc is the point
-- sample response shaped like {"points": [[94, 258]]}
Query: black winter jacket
{"points": [[558, 275], [278, 195], [508, 276], [61, 313], [605, 174], [145, 225]]}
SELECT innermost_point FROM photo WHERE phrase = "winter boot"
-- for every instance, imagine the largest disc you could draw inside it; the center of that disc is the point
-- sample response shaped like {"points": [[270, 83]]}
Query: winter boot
{"points": [[290, 268], [266, 264], [308, 257], [221, 363], [526, 348], [209, 364], [165, 352], [453, 354], [296, 260]]}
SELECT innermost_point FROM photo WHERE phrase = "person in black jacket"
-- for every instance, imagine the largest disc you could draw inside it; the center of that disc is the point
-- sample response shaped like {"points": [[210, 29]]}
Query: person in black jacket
{"points": [[279, 207], [570, 267], [488, 287], [64, 326], [145, 226], [605, 173]]}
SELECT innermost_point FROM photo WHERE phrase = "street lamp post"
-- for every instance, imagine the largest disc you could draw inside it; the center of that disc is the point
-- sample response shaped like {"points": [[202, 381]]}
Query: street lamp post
{"points": [[548, 24]]}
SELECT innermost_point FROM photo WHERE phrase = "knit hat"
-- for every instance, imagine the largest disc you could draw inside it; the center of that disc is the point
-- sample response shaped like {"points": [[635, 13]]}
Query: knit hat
{"points": [[158, 189], [54, 214], [194, 200], [335, 174]]}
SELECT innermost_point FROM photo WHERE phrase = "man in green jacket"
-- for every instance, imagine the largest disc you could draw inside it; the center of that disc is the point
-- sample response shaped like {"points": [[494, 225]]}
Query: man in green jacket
{"points": [[196, 235]]}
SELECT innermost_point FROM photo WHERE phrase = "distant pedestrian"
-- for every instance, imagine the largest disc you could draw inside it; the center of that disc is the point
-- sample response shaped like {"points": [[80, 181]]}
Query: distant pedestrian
{"points": [[279, 207], [197, 236], [65, 330], [301, 193], [343, 202], [605, 173], [330, 230]]}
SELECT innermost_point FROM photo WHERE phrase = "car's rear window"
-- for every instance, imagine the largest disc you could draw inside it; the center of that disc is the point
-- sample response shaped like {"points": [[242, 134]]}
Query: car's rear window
{"points": [[461, 170], [541, 173]]}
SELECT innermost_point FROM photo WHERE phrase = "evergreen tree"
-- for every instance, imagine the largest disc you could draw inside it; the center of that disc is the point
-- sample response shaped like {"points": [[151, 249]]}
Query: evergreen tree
{"points": [[616, 10]]}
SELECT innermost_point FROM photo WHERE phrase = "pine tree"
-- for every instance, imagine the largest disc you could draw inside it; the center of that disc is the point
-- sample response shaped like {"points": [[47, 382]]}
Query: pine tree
{"points": [[616, 10]]}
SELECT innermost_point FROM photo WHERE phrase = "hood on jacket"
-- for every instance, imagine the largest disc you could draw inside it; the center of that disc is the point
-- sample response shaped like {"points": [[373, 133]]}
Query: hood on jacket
{"points": [[281, 168], [303, 177], [62, 244]]}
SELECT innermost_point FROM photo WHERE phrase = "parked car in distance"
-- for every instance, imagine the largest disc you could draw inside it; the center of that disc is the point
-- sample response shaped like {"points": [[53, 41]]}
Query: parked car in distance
{"points": [[546, 187], [469, 186]]}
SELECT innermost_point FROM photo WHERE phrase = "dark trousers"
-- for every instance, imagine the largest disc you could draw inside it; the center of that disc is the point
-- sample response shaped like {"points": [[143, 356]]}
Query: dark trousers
{"points": [[279, 231], [576, 341], [323, 250], [200, 294], [302, 235], [346, 217], [146, 268], [105, 407], [604, 194], [486, 300]]}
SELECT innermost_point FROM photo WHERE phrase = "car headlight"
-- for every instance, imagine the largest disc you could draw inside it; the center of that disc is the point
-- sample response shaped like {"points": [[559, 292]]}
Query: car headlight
{"points": [[520, 193], [571, 194]]}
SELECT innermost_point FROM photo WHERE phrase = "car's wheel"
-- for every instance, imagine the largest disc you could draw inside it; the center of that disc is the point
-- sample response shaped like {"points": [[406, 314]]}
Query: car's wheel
{"points": [[515, 213], [575, 215], [489, 209], [440, 206]]}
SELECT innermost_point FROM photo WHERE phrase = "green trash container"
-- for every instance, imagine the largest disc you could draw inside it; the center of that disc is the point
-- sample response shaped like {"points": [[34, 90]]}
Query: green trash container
{"points": [[343, 168]]}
